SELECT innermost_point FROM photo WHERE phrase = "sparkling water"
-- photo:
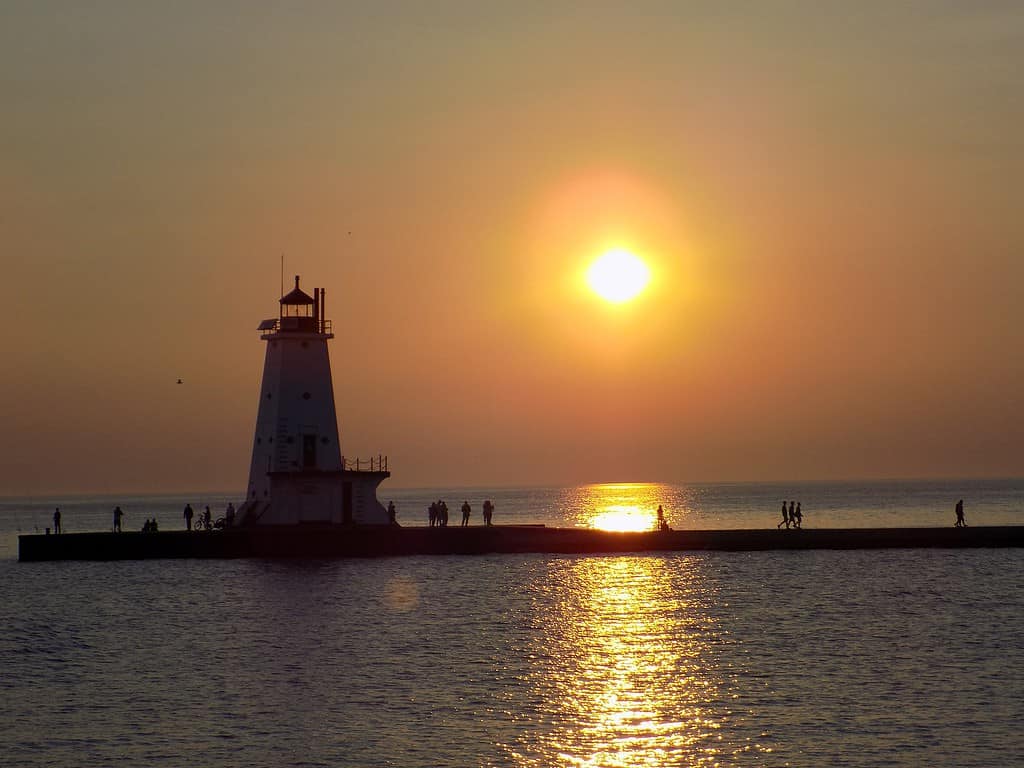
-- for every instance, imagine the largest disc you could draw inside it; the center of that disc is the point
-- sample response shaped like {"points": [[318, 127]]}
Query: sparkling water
{"points": [[859, 658]]}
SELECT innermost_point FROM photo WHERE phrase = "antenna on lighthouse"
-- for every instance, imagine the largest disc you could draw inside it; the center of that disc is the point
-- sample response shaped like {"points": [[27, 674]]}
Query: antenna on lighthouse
{"points": [[282, 273]]}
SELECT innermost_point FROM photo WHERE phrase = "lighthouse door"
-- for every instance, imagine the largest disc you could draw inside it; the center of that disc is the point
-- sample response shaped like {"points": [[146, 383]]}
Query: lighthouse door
{"points": [[309, 451], [346, 502]]}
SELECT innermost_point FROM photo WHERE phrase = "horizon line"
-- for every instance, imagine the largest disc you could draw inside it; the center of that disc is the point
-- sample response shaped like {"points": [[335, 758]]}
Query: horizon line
{"points": [[542, 486]]}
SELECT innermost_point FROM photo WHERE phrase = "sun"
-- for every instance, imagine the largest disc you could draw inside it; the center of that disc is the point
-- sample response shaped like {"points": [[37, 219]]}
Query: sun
{"points": [[618, 275]]}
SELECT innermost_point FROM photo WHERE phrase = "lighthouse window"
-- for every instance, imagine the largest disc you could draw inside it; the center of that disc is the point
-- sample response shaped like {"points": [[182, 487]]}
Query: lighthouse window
{"points": [[270, 396], [259, 440], [306, 395]]}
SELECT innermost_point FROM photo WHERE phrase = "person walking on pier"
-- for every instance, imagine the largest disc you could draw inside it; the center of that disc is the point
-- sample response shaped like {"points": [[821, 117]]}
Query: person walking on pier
{"points": [[56, 520], [466, 509], [432, 514], [785, 517], [207, 519], [118, 515], [442, 511], [392, 514], [188, 517], [960, 522], [488, 512], [798, 521]]}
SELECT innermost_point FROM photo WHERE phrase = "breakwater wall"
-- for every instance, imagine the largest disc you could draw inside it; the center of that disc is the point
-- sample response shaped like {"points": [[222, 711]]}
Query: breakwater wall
{"points": [[382, 541]]}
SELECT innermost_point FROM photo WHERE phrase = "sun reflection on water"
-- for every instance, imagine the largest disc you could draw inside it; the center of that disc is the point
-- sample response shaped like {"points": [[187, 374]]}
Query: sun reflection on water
{"points": [[623, 518], [628, 671], [620, 506]]}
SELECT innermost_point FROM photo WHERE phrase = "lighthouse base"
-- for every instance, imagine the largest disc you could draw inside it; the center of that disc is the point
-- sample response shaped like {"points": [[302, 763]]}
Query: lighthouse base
{"points": [[347, 497]]}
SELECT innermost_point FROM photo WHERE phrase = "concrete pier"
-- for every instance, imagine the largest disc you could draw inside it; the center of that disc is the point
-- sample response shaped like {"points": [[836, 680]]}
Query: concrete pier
{"points": [[331, 541]]}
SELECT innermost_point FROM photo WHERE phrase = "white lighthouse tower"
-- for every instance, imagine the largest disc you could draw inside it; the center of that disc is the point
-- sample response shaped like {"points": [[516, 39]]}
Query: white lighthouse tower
{"points": [[298, 474]]}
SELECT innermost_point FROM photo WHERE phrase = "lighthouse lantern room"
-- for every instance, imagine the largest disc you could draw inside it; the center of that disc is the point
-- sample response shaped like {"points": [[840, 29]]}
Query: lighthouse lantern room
{"points": [[297, 474]]}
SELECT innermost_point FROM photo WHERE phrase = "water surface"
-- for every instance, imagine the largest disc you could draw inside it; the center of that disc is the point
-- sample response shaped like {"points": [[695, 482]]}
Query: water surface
{"points": [[863, 658]]}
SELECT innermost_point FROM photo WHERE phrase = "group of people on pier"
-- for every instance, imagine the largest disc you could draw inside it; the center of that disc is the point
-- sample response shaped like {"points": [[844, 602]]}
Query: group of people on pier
{"points": [[437, 516], [791, 517], [437, 513], [205, 521]]}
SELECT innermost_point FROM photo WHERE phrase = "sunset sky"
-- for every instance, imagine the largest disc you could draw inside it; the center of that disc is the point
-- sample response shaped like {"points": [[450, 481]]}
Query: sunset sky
{"points": [[829, 197]]}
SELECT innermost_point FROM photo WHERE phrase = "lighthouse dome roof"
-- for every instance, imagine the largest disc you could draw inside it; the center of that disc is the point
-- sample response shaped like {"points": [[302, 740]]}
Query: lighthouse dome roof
{"points": [[297, 296]]}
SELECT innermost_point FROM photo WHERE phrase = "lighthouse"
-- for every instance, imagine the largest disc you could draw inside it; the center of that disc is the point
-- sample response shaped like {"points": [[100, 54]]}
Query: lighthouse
{"points": [[298, 474]]}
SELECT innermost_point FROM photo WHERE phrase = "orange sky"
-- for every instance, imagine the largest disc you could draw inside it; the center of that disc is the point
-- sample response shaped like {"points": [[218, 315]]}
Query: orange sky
{"points": [[828, 196]]}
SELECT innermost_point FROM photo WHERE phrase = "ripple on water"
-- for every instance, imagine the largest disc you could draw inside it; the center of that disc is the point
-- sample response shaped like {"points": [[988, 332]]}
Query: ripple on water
{"points": [[898, 658]]}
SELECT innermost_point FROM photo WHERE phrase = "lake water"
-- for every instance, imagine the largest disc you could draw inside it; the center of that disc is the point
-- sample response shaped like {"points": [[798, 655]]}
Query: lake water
{"points": [[862, 658]]}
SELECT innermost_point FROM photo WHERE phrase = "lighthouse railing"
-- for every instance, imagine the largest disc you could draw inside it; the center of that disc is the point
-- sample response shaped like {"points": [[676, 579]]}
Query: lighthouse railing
{"points": [[377, 463], [273, 326]]}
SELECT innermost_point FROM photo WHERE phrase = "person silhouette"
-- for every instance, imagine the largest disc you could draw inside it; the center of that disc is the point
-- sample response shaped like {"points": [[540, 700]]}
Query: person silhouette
{"points": [[488, 512], [785, 517], [792, 514], [662, 525], [465, 513], [392, 514], [118, 515], [56, 520], [960, 522], [188, 513], [799, 516]]}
